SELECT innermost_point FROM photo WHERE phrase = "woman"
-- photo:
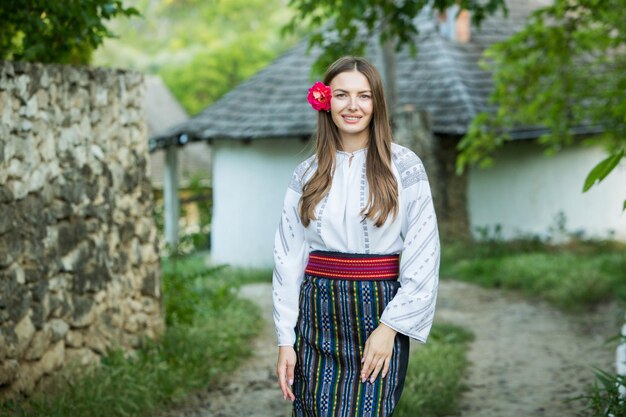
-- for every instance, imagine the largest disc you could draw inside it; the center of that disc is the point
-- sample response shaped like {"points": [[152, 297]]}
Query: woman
{"points": [[345, 302]]}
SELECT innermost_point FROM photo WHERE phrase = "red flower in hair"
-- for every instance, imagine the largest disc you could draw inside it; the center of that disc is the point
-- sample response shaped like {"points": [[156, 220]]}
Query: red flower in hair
{"points": [[319, 96]]}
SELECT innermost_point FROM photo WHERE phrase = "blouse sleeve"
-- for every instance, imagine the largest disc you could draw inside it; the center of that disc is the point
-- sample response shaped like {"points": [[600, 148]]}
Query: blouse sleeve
{"points": [[290, 258], [412, 309]]}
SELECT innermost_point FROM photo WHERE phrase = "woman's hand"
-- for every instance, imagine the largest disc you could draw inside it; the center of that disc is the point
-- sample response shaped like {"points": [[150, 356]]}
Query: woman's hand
{"points": [[284, 370], [377, 353]]}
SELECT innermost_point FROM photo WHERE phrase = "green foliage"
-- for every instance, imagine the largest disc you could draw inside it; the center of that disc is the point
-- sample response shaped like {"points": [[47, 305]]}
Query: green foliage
{"points": [[200, 196], [200, 346], [193, 237], [189, 284], [249, 275], [564, 70], [604, 168], [344, 27], [572, 276], [212, 73], [202, 49], [185, 289], [604, 398], [435, 374], [56, 31]]}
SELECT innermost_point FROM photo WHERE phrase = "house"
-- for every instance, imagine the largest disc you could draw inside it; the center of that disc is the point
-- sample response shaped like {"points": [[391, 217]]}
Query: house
{"points": [[261, 130]]}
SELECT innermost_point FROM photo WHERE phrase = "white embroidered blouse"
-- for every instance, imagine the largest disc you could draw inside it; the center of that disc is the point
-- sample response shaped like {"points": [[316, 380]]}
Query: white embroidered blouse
{"points": [[338, 227]]}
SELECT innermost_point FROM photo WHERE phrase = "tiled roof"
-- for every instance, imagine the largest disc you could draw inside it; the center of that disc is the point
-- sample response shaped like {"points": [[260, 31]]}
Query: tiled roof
{"points": [[444, 79]]}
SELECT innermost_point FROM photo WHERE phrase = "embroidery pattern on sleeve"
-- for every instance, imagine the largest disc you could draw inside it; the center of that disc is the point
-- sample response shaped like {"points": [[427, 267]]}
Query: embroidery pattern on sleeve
{"points": [[297, 180], [412, 309], [409, 166]]}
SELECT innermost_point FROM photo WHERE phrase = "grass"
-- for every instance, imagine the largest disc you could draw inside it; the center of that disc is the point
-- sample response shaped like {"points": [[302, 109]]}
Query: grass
{"points": [[604, 398], [206, 337], [196, 263], [185, 289], [572, 277], [249, 275], [435, 375]]}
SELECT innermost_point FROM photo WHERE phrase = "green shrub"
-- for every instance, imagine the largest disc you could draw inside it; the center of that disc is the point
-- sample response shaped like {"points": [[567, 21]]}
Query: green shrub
{"points": [[570, 276], [189, 287], [435, 374]]}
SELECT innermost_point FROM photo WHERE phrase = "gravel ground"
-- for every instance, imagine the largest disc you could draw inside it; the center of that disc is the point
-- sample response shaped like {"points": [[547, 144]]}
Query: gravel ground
{"points": [[528, 358]]}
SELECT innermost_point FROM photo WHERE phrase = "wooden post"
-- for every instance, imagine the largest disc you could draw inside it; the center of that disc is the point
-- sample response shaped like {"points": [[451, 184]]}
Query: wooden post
{"points": [[170, 196]]}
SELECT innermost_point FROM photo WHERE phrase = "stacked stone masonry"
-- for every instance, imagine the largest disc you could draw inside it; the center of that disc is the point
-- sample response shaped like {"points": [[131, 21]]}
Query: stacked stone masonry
{"points": [[79, 267]]}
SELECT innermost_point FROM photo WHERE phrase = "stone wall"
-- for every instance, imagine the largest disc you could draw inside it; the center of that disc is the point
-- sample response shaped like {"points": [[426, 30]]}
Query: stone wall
{"points": [[79, 268]]}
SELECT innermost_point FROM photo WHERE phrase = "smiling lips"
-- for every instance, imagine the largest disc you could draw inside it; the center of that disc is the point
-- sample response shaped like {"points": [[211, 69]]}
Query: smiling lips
{"points": [[351, 119]]}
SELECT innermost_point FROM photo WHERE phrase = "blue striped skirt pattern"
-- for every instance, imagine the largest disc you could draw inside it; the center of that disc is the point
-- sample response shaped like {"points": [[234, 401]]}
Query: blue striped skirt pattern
{"points": [[336, 318]]}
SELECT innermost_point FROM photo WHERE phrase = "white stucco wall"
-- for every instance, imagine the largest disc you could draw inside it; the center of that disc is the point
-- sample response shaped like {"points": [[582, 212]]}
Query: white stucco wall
{"points": [[249, 185], [524, 192]]}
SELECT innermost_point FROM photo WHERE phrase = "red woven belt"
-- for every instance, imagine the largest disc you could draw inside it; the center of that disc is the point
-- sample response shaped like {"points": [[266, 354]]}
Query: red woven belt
{"points": [[359, 267]]}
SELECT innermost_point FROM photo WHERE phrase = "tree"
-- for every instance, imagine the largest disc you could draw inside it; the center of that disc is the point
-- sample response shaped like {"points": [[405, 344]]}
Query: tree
{"points": [[566, 70], [56, 31], [213, 73], [343, 27], [201, 49]]}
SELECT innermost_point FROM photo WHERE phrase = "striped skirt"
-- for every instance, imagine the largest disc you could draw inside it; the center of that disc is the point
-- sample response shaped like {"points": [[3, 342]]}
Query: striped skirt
{"points": [[341, 300]]}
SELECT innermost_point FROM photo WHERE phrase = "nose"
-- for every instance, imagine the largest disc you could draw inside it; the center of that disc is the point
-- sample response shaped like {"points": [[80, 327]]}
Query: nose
{"points": [[352, 105]]}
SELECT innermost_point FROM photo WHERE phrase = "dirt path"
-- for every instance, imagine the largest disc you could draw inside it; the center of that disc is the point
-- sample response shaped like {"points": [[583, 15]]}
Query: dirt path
{"points": [[526, 360], [528, 357]]}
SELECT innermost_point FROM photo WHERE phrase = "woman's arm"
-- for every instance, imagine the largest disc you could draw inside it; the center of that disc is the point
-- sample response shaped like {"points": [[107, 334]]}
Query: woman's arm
{"points": [[290, 258], [412, 309]]}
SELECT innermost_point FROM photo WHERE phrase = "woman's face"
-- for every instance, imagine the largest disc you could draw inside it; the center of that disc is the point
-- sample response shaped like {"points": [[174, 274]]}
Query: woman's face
{"points": [[351, 107]]}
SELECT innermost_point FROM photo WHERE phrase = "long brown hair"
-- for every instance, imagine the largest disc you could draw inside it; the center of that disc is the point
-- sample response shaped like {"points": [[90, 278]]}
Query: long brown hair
{"points": [[383, 187]]}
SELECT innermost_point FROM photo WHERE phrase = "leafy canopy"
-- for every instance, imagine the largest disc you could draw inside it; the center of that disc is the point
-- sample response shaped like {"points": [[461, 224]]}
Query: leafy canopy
{"points": [[55, 31], [565, 70], [201, 48], [343, 27]]}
